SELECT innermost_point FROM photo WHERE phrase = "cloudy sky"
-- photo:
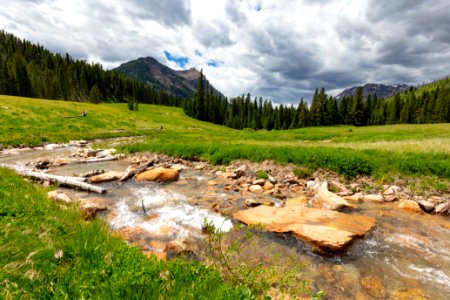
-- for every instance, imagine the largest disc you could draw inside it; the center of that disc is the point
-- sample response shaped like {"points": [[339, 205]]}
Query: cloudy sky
{"points": [[278, 49]]}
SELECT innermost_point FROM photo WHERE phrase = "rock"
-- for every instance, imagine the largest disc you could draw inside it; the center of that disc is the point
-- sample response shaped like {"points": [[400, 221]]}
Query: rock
{"points": [[52, 147], [374, 198], [358, 197], [159, 174], [216, 207], [260, 182], [91, 209], [290, 181], [436, 199], [61, 161], [443, 208], [59, 196], [255, 189], [212, 183], [409, 294], [392, 190], [313, 184], [178, 167], [390, 198], [107, 176], [252, 203], [411, 206], [340, 187], [267, 186], [105, 153], [301, 200], [181, 245], [373, 286], [272, 179], [199, 167], [325, 230], [241, 171], [426, 206], [328, 200]]}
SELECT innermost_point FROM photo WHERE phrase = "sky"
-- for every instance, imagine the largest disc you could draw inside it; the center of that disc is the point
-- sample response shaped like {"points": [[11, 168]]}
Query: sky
{"points": [[278, 49]]}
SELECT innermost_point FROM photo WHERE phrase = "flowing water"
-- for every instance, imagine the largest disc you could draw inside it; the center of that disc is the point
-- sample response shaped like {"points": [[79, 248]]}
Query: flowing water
{"points": [[405, 256]]}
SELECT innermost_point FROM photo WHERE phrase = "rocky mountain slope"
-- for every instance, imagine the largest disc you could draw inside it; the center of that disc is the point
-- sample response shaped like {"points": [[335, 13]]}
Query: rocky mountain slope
{"points": [[181, 83], [381, 90]]}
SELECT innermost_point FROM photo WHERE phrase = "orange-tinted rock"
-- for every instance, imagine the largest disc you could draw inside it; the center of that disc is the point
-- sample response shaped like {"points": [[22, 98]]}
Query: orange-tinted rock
{"points": [[268, 186], [301, 200], [108, 176], [373, 286], [327, 230], [411, 206], [59, 196], [159, 174], [409, 294]]}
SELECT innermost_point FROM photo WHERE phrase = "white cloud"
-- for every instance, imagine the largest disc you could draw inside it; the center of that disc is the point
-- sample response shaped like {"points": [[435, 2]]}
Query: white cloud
{"points": [[277, 49]]}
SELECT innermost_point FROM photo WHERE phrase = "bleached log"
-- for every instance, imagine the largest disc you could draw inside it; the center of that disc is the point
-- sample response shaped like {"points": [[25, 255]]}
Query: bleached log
{"points": [[70, 181], [96, 160]]}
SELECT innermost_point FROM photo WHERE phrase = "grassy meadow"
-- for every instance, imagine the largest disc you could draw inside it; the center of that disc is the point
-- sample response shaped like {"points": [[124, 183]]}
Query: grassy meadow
{"points": [[384, 152]]}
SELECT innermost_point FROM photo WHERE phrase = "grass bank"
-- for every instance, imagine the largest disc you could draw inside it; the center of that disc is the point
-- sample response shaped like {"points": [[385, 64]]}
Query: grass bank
{"points": [[51, 252], [379, 151]]}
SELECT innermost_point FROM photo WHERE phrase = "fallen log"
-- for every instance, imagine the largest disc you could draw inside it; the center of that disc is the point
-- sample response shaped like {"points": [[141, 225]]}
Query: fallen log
{"points": [[96, 160], [63, 180], [131, 171], [91, 173]]}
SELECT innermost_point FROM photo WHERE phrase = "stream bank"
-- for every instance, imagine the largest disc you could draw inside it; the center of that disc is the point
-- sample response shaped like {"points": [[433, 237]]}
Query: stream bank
{"points": [[404, 255]]}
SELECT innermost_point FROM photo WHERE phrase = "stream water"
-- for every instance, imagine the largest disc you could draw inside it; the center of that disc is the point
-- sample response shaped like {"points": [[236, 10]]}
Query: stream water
{"points": [[406, 256]]}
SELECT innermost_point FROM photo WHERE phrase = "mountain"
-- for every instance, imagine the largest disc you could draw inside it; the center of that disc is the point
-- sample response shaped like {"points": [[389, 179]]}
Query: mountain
{"points": [[381, 90], [148, 70]]}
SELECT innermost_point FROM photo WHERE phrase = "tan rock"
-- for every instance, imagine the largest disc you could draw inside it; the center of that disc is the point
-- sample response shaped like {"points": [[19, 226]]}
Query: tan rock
{"points": [[260, 182], [374, 198], [358, 197], [410, 206], [159, 174], [443, 208], [426, 206], [392, 190], [59, 196], [241, 171], [301, 200], [373, 286], [107, 176], [268, 186], [409, 294], [61, 161], [255, 189], [326, 230], [91, 206], [328, 200], [181, 245]]}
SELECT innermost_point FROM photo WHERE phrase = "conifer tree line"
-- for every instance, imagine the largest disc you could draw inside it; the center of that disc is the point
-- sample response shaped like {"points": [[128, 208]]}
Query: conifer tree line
{"points": [[31, 71], [429, 104]]}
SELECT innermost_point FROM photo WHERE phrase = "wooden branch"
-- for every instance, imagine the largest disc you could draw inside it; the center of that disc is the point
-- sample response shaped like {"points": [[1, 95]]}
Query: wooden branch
{"points": [[76, 182], [95, 160], [131, 171]]}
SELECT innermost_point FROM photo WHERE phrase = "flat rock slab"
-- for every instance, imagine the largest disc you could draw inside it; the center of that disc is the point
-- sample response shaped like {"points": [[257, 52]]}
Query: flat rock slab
{"points": [[326, 230]]}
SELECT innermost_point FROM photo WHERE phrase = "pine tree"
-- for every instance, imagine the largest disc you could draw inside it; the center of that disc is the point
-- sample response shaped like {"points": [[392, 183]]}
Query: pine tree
{"points": [[356, 111]]}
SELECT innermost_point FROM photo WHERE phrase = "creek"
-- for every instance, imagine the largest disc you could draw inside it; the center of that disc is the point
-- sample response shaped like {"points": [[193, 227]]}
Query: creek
{"points": [[405, 256]]}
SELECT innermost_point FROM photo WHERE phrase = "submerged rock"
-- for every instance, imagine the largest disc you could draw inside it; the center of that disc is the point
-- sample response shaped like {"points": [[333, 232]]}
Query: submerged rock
{"points": [[159, 174], [373, 286], [326, 230]]}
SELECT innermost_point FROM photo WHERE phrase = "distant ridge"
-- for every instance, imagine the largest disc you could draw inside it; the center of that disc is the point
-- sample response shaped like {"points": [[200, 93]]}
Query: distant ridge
{"points": [[148, 70], [381, 90]]}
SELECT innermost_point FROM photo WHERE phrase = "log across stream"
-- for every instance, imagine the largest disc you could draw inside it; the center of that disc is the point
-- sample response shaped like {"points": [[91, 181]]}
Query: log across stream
{"points": [[404, 256]]}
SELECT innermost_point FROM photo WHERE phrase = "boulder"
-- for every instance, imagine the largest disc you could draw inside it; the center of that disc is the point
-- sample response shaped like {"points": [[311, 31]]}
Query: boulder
{"points": [[410, 206], [272, 179], [255, 189], [260, 182], [377, 198], [326, 230], [107, 176], [443, 208], [159, 174], [59, 196], [426, 206], [328, 200]]}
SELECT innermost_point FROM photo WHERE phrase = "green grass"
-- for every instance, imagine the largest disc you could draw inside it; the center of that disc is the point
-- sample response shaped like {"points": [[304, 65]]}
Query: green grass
{"points": [[380, 151], [91, 263]]}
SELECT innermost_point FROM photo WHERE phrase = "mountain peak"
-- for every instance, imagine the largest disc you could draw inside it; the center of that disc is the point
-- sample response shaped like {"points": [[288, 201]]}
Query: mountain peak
{"points": [[381, 90], [182, 83]]}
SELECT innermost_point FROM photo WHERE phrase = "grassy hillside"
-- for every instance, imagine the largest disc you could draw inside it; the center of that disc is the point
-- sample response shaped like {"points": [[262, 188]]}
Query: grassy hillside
{"points": [[381, 151], [48, 252]]}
